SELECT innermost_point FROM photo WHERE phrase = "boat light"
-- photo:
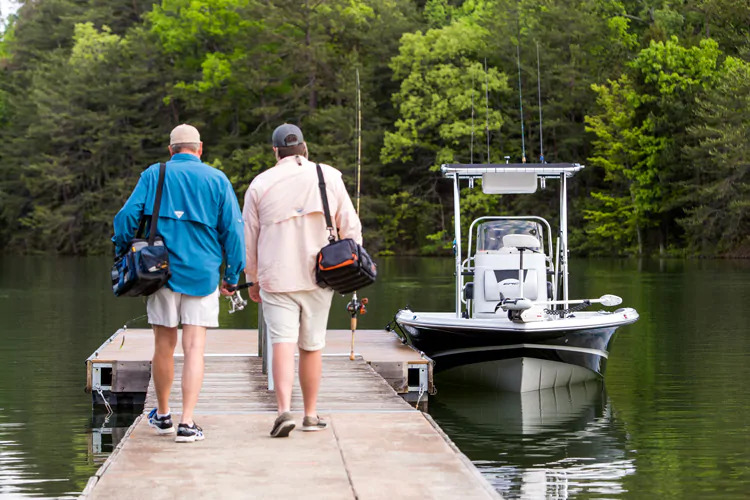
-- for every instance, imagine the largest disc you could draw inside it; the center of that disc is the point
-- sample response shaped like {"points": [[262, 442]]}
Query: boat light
{"points": [[509, 182]]}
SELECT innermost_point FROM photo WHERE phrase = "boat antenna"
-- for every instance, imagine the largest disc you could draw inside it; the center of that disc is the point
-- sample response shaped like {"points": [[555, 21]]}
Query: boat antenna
{"points": [[520, 101], [539, 94], [471, 148], [487, 106], [355, 306]]}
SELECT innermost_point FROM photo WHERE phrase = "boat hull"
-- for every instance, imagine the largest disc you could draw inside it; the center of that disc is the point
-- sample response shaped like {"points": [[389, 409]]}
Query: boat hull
{"points": [[512, 356]]}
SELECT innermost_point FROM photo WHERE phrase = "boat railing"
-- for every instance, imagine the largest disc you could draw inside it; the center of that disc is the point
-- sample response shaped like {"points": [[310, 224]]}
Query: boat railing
{"points": [[467, 267]]}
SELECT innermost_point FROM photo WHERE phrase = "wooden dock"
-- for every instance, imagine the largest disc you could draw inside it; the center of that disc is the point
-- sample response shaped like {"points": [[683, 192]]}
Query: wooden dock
{"points": [[377, 444]]}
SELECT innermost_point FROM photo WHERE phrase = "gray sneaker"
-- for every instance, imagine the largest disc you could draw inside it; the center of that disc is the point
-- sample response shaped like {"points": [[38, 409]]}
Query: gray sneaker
{"points": [[283, 425], [313, 424]]}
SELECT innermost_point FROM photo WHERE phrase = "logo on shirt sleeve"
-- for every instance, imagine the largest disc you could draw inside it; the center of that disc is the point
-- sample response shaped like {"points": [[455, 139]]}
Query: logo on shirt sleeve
{"points": [[179, 213]]}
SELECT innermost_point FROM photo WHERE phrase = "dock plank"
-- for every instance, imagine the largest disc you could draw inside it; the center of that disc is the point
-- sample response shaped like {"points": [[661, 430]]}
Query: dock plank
{"points": [[237, 384]]}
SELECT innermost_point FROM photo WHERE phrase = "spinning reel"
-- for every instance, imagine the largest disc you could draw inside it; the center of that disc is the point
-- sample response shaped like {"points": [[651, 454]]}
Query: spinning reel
{"points": [[236, 302]]}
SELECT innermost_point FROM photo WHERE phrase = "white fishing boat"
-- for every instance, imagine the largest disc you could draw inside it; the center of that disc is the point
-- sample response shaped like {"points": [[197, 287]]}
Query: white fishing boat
{"points": [[514, 326]]}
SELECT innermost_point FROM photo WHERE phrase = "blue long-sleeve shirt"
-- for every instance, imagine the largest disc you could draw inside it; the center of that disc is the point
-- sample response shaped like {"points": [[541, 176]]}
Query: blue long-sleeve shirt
{"points": [[199, 220]]}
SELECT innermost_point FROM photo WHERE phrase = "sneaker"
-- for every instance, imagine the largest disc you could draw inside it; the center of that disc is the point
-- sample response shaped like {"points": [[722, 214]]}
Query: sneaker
{"points": [[163, 425], [283, 425], [189, 433], [313, 424]]}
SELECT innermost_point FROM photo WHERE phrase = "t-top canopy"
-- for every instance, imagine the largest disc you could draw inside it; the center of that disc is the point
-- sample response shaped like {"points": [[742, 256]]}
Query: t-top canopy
{"points": [[472, 170]]}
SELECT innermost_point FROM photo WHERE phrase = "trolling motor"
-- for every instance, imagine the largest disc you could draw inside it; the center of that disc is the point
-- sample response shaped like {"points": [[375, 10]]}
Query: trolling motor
{"points": [[236, 302], [355, 307]]}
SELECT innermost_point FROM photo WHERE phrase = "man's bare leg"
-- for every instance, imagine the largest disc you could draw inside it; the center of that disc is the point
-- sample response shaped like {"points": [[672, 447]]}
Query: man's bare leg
{"points": [[162, 365], [283, 374], [310, 373], [193, 346]]}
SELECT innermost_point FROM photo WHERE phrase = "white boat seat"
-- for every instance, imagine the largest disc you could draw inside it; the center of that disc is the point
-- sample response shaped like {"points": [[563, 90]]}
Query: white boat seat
{"points": [[526, 241]]}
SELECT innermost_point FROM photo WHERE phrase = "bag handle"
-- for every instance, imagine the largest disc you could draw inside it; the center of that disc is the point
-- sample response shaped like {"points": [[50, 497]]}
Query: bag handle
{"points": [[155, 212], [326, 209]]}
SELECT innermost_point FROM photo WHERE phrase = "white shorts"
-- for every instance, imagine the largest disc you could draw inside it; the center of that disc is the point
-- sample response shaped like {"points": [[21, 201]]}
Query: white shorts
{"points": [[300, 317], [169, 308]]}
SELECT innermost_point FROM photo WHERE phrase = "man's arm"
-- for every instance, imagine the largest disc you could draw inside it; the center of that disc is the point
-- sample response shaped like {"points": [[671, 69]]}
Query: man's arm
{"points": [[231, 235], [347, 220], [252, 230], [127, 219]]}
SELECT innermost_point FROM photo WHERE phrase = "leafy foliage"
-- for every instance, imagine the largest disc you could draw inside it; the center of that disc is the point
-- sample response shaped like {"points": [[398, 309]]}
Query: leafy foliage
{"points": [[653, 96]]}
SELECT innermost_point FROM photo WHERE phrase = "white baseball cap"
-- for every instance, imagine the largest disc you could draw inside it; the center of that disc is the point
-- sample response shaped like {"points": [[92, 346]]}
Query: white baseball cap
{"points": [[183, 134]]}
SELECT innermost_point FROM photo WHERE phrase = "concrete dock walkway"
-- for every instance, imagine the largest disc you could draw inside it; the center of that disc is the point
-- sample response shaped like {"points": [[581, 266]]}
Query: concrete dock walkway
{"points": [[376, 446]]}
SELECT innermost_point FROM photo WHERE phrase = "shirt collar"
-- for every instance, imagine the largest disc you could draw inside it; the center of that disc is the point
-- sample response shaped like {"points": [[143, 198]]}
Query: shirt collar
{"points": [[289, 160], [185, 157]]}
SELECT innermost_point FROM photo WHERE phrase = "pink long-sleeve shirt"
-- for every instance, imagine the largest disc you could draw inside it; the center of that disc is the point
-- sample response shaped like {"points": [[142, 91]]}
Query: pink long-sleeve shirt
{"points": [[285, 227]]}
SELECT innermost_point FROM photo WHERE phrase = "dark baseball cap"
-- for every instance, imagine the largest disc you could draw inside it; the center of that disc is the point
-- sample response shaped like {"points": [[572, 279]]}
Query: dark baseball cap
{"points": [[287, 135]]}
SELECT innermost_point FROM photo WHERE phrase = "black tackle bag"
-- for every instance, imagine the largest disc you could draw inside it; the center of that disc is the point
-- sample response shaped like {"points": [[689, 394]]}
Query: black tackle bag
{"points": [[144, 267], [343, 265]]}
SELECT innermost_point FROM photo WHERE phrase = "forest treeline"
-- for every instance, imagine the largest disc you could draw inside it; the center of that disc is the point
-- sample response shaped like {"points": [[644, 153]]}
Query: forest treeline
{"points": [[653, 96]]}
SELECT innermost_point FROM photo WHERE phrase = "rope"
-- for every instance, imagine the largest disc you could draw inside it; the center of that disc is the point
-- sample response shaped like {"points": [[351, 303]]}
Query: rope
{"points": [[393, 326], [110, 412], [421, 393]]}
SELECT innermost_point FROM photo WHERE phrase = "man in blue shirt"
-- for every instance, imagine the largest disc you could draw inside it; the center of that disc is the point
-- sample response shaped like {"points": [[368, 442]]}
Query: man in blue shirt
{"points": [[201, 225]]}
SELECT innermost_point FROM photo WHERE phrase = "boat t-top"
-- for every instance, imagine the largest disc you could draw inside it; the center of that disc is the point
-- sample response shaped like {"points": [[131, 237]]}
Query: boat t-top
{"points": [[514, 326]]}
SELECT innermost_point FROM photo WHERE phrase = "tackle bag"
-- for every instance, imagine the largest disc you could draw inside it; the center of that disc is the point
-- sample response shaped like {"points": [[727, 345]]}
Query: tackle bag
{"points": [[144, 267], [343, 265]]}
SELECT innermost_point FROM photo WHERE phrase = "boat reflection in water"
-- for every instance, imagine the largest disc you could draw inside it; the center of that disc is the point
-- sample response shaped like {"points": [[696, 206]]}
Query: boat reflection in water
{"points": [[556, 443]]}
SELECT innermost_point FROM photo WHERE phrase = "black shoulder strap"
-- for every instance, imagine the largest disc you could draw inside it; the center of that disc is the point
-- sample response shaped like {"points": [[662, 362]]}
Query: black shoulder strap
{"points": [[155, 212], [326, 209], [157, 204]]}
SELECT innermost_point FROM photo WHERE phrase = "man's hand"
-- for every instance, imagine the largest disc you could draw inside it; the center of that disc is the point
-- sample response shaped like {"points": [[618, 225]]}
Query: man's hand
{"points": [[254, 292], [224, 290]]}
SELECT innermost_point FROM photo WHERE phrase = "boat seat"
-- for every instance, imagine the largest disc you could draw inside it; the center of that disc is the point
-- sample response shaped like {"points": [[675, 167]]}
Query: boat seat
{"points": [[525, 241], [496, 276]]}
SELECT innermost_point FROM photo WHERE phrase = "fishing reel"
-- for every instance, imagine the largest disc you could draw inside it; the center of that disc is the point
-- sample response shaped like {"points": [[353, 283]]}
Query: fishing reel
{"points": [[236, 302], [356, 306]]}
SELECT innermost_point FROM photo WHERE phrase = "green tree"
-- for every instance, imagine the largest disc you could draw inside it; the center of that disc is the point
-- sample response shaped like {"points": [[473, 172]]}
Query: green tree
{"points": [[718, 195], [640, 130]]}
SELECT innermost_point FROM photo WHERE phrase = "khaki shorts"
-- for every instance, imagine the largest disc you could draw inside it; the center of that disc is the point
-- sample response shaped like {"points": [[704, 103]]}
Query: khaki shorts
{"points": [[300, 317], [169, 308]]}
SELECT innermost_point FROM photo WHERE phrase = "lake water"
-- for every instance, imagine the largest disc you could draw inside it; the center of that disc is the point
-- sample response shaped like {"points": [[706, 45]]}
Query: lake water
{"points": [[670, 420]]}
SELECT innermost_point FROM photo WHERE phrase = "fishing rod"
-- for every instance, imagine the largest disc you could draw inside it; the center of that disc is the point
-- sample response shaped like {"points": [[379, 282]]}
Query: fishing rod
{"points": [[355, 306], [487, 107], [520, 101], [539, 95], [471, 146]]}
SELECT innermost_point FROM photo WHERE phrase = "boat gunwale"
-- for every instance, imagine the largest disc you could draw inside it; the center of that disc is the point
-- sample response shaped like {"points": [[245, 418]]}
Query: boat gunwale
{"points": [[503, 324]]}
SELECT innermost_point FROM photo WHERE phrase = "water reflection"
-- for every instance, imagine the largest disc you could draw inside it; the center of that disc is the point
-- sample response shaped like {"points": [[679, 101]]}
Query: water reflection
{"points": [[107, 430], [556, 443], [16, 477]]}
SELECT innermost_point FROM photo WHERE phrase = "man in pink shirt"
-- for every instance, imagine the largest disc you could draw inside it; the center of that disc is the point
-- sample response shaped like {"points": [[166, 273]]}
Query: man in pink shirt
{"points": [[285, 228]]}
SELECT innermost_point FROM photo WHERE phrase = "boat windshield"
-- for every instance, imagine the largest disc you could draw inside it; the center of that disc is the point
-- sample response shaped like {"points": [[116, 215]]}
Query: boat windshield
{"points": [[491, 233]]}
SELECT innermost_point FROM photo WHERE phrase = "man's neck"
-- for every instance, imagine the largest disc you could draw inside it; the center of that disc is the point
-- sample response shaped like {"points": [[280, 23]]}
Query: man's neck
{"points": [[191, 153], [299, 159]]}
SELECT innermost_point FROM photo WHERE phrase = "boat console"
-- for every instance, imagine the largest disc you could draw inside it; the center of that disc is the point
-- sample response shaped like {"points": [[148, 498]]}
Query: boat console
{"points": [[509, 263]]}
